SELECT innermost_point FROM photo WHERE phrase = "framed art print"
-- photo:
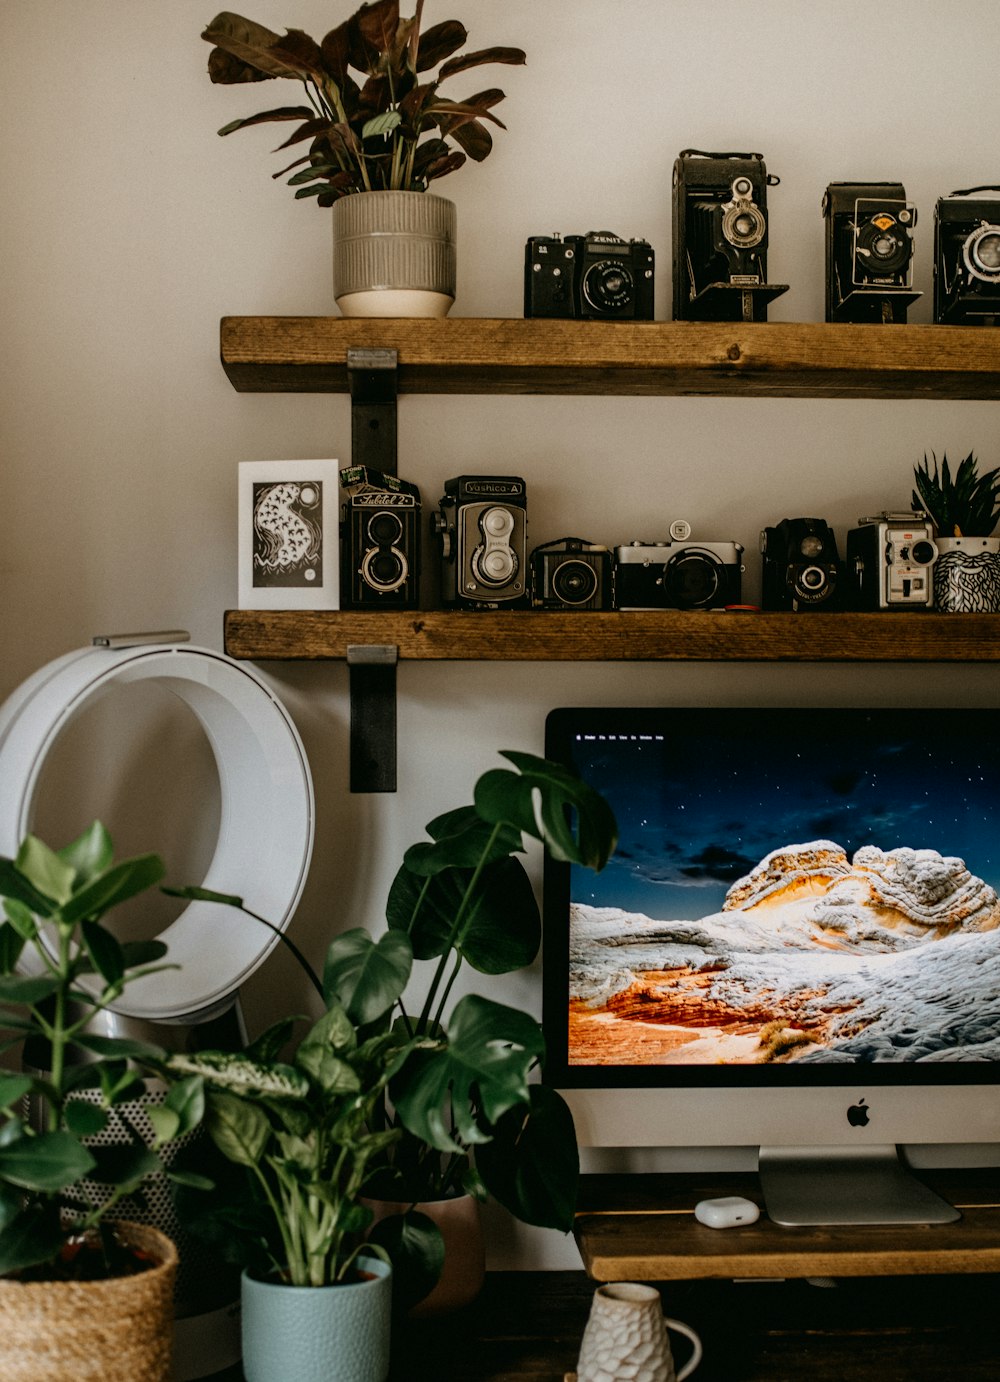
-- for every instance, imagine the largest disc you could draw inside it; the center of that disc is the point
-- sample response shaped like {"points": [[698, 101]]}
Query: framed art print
{"points": [[288, 535]]}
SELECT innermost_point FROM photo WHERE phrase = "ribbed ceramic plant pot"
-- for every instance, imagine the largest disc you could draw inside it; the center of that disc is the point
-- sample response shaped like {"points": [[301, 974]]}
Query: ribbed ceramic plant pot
{"points": [[967, 575], [118, 1330], [394, 254], [318, 1333]]}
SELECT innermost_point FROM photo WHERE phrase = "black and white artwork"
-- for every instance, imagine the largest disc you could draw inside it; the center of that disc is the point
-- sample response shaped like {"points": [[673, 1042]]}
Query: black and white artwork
{"points": [[288, 535]]}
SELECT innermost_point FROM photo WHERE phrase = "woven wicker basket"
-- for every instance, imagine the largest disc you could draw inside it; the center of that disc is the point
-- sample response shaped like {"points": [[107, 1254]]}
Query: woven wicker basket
{"points": [[120, 1330]]}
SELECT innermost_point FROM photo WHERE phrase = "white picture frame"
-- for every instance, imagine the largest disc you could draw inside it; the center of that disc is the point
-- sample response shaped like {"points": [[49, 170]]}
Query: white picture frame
{"points": [[288, 535]]}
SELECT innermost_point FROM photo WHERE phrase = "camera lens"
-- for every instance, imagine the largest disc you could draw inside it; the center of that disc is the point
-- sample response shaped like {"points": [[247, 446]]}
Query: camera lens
{"points": [[574, 582], [981, 253], [811, 545], [743, 225], [923, 552], [811, 583], [608, 286], [385, 529], [881, 247], [384, 568], [691, 580]]}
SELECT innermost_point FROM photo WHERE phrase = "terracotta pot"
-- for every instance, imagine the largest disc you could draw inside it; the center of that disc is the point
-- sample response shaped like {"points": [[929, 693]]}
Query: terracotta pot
{"points": [[464, 1269], [394, 254], [117, 1330], [967, 575]]}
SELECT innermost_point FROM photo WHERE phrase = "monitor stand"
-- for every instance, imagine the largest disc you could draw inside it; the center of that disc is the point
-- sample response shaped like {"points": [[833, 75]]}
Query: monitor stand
{"points": [[841, 1185]]}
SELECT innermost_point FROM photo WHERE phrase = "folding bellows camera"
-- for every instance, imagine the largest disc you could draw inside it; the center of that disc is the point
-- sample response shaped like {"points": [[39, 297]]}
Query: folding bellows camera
{"points": [[869, 252], [967, 258]]}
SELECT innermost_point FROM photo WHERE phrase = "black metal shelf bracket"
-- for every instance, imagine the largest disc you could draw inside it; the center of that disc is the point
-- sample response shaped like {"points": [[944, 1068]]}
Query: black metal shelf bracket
{"points": [[372, 381], [371, 668]]}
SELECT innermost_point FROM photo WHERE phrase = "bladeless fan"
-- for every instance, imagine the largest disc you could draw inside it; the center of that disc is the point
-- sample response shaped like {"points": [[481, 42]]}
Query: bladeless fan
{"points": [[262, 853]]}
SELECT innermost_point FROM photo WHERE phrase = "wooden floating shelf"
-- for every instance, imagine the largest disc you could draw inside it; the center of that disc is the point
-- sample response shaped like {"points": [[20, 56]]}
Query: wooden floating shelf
{"points": [[647, 636], [478, 355]]}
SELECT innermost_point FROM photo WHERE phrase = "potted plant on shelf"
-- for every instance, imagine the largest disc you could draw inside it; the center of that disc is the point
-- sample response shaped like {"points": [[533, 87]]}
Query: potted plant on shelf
{"points": [[964, 508], [373, 142], [81, 1296]]}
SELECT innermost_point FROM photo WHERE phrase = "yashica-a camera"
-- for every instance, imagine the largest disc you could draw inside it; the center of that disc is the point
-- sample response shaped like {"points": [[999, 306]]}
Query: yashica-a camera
{"points": [[380, 541], [801, 568], [967, 258], [597, 275], [890, 561], [482, 530], [869, 252], [678, 574], [720, 235], [572, 574]]}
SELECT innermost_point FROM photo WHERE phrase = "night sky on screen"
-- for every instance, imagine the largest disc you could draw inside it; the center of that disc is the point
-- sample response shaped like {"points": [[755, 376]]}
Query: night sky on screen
{"points": [[700, 807]]}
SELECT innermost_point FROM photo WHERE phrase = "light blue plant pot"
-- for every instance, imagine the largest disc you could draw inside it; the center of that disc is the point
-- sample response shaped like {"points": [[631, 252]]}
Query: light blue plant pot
{"points": [[318, 1333]]}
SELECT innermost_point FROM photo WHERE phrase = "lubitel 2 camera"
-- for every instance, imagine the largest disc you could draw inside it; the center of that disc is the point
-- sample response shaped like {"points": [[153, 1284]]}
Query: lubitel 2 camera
{"points": [[890, 559], [678, 574], [720, 234], [572, 574], [801, 568], [482, 530], [869, 252], [596, 275], [967, 258], [379, 541]]}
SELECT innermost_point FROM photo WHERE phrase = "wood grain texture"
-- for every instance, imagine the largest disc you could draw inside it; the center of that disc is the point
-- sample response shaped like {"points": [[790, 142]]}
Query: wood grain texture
{"points": [[514, 356]]}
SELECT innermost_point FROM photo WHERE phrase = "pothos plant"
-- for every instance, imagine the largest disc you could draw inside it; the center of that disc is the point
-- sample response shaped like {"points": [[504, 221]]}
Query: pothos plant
{"points": [[430, 1098], [375, 117]]}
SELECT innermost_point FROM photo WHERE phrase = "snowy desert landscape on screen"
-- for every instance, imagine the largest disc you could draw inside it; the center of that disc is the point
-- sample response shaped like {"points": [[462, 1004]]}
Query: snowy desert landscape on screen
{"points": [[815, 956]]}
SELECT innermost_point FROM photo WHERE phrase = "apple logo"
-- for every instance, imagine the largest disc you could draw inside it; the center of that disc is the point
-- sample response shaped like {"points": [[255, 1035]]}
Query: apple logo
{"points": [[857, 1114]]}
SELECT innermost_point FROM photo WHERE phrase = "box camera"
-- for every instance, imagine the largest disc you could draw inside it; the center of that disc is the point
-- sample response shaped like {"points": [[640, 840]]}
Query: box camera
{"points": [[869, 252], [890, 559], [572, 574], [379, 541], [720, 237], [801, 569], [482, 528], [678, 574], [594, 275], [967, 258]]}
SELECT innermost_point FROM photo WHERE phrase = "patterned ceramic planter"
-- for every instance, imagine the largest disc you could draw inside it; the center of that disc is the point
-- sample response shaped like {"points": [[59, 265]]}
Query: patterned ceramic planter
{"points": [[394, 254], [967, 575]]}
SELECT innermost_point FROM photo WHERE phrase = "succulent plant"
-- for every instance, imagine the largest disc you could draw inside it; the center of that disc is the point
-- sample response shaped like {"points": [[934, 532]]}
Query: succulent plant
{"points": [[967, 505]]}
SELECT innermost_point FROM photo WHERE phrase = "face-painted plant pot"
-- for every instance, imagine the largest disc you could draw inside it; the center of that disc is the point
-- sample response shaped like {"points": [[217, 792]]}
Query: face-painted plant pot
{"points": [[319, 1333], [967, 575], [394, 254]]}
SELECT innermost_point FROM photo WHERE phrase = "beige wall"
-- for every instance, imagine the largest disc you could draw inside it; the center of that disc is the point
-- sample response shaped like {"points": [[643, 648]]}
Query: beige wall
{"points": [[128, 228]]}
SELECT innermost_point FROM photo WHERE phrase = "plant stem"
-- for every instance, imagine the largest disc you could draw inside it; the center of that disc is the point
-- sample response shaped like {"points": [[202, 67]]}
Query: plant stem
{"points": [[463, 907]]}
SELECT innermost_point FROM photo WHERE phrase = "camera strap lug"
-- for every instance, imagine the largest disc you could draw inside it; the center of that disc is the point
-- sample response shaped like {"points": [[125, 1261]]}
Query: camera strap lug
{"points": [[371, 669], [373, 384]]}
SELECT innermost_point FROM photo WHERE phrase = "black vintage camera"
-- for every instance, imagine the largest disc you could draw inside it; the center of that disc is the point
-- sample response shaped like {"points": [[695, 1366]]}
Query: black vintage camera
{"points": [[594, 275], [482, 528], [720, 237], [678, 574], [869, 252], [379, 541], [572, 574], [967, 258], [890, 560], [801, 569]]}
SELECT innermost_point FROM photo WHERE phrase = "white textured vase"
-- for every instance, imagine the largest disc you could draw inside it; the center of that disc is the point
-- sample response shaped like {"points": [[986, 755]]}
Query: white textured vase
{"points": [[967, 575], [626, 1338], [394, 254]]}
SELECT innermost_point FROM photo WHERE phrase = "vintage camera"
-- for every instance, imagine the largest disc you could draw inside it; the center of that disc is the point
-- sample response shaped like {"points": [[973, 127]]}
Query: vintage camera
{"points": [[379, 541], [678, 574], [482, 529], [720, 237], [572, 574], [801, 569], [869, 252], [967, 258], [595, 275], [890, 560]]}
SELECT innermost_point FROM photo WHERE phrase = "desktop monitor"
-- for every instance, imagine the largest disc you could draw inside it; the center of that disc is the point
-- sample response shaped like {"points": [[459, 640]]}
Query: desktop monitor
{"points": [[795, 947]]}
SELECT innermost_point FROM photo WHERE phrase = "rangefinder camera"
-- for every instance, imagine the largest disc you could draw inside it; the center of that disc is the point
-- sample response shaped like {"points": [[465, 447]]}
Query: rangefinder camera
{"points": [[967, 258], [572, 574], [678, 574], [869, 252], [597, 275], [380, 541], [482, 531], [801, 568], [890, 559]]}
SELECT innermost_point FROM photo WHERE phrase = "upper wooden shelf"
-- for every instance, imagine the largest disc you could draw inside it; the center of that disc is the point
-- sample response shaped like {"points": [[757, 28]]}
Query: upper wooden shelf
{"points": [[513, 356], [646, 636]]}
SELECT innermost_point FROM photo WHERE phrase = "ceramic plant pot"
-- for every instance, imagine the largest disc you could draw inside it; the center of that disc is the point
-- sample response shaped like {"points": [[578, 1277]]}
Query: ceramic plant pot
{"points": [[394, 254], [464, 1269], [967, 575], [116, 1330], [319, 1333]]}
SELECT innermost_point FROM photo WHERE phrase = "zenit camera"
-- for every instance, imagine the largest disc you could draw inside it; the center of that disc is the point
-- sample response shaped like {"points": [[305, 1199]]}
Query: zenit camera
{"points": [[379, 541], [890, 560], [967, 258], [482, 530], [720, 235], [869, 252], [596, 275], [572, 574], [678, 574], [801, 569]]}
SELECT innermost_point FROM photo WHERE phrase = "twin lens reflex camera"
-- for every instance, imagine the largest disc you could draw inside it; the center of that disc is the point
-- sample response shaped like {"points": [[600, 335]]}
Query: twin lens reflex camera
{"points": [[482, 531], [379, 541]]}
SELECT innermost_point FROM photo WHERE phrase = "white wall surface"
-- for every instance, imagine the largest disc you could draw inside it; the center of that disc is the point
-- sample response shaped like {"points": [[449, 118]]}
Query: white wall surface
{"points": [[129, 228]]}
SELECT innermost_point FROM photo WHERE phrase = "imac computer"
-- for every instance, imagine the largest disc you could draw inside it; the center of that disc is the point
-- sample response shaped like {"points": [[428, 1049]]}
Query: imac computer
{"points": [[795, 947]]}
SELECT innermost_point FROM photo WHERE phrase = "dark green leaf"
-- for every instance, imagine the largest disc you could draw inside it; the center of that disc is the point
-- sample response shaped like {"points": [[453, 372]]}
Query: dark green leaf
{"points": [[416, 1251], [546, 800], [367, 977], [270, 1044], [48, 1162], [27, 989], [13, 1088], [135, 953], [84, 1119], [44, 870], [124, 1165], [13, 884], [11, 944], [105, 952], [532, 1165], [120, 1048], [125, 880], [30, 1239], [240, 1130]]}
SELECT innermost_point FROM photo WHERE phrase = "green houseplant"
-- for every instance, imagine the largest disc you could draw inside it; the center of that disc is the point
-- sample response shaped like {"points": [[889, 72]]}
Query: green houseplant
{"points": [[965, 509]]}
